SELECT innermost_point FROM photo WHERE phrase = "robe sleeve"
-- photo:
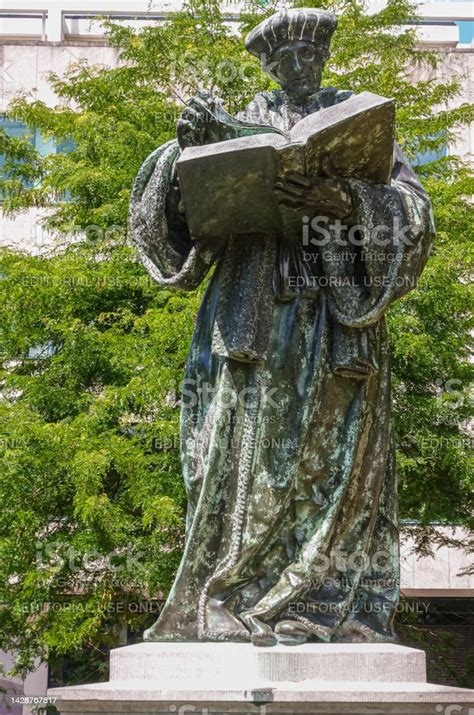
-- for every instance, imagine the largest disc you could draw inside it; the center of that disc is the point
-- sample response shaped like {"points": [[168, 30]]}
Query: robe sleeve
{"points": [[158, 226], [385, 251]]}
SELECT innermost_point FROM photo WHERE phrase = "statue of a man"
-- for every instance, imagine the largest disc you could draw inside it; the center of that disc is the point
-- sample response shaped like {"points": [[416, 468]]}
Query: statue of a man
{"points": [[287, 450]]}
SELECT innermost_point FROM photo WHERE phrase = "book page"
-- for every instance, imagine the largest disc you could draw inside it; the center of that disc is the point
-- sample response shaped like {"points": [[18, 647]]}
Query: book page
{"points": [[357, 135]]}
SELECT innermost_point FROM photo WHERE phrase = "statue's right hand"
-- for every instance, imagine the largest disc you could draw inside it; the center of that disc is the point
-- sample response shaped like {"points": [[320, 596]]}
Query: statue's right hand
{"points": [[191, 128]]}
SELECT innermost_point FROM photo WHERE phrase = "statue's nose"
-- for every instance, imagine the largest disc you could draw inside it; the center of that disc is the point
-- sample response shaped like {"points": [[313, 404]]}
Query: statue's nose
{"points": [[296, 62]]}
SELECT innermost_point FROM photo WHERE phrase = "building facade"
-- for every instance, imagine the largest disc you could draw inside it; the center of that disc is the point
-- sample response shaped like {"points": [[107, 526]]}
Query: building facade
{"points": [[41, 36]]}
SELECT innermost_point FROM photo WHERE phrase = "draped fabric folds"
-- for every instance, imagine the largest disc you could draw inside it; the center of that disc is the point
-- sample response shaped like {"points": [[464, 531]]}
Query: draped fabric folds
{"points": [[286, 427]]}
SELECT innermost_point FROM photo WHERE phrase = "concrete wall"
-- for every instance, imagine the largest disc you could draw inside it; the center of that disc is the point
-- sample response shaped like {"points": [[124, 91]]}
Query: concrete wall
{"points": [[439, 575], [27, 64]]}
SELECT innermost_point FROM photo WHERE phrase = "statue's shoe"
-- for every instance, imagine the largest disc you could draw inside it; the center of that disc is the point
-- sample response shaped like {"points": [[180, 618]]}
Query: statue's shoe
{"points": [[353, 631], [292, 633], [260, 633], [222, 625], [156, 634]]}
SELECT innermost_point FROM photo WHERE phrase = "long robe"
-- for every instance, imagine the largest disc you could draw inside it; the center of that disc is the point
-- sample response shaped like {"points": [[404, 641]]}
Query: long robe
{"points": [[287, 451]]}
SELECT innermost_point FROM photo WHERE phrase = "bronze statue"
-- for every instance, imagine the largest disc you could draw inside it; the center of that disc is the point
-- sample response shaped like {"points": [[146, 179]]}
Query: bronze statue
{"points": [[287, 447]]}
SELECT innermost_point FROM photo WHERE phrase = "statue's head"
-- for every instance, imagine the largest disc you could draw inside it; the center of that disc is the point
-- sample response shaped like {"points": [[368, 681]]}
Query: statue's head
{"points": [[293, 46]]}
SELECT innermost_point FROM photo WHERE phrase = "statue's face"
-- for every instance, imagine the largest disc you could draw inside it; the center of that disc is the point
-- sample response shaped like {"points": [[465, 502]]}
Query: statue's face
{"points": [[297, 66]]}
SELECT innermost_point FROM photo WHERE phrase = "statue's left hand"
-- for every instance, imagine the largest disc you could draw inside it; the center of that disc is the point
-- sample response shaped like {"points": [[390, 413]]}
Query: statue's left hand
{"points": [[325, 195]]}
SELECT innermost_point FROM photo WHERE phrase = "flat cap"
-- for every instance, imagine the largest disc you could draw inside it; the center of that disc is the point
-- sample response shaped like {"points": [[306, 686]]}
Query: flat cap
{"points": [[310, 24]]}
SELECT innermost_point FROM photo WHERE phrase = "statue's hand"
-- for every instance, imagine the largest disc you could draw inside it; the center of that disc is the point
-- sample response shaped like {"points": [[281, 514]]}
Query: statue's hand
{"points": [[191, 128], [327, 195]]}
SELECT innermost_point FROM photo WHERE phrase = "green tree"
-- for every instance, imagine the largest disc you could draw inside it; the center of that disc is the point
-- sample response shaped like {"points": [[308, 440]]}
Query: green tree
{"points": [[92, 353]]}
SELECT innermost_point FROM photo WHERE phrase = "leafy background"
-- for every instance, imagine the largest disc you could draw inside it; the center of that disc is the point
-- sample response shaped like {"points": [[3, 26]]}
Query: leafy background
{"points": [[92, 353]]}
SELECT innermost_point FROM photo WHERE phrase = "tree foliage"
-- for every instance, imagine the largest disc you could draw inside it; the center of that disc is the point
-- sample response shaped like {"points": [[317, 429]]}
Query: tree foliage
{"points": [[92, 353]]}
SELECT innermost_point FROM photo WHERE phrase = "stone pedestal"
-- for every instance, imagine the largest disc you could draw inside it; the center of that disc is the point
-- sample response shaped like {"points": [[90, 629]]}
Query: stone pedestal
{"points": [[218, 678]]}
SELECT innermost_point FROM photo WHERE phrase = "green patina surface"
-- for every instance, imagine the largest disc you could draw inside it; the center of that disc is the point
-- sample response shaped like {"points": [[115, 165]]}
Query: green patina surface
{"points": [[286, 428]]}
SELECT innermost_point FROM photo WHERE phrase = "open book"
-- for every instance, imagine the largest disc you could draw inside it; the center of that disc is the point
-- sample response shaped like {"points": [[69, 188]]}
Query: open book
{"points": [[227, 187]]}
